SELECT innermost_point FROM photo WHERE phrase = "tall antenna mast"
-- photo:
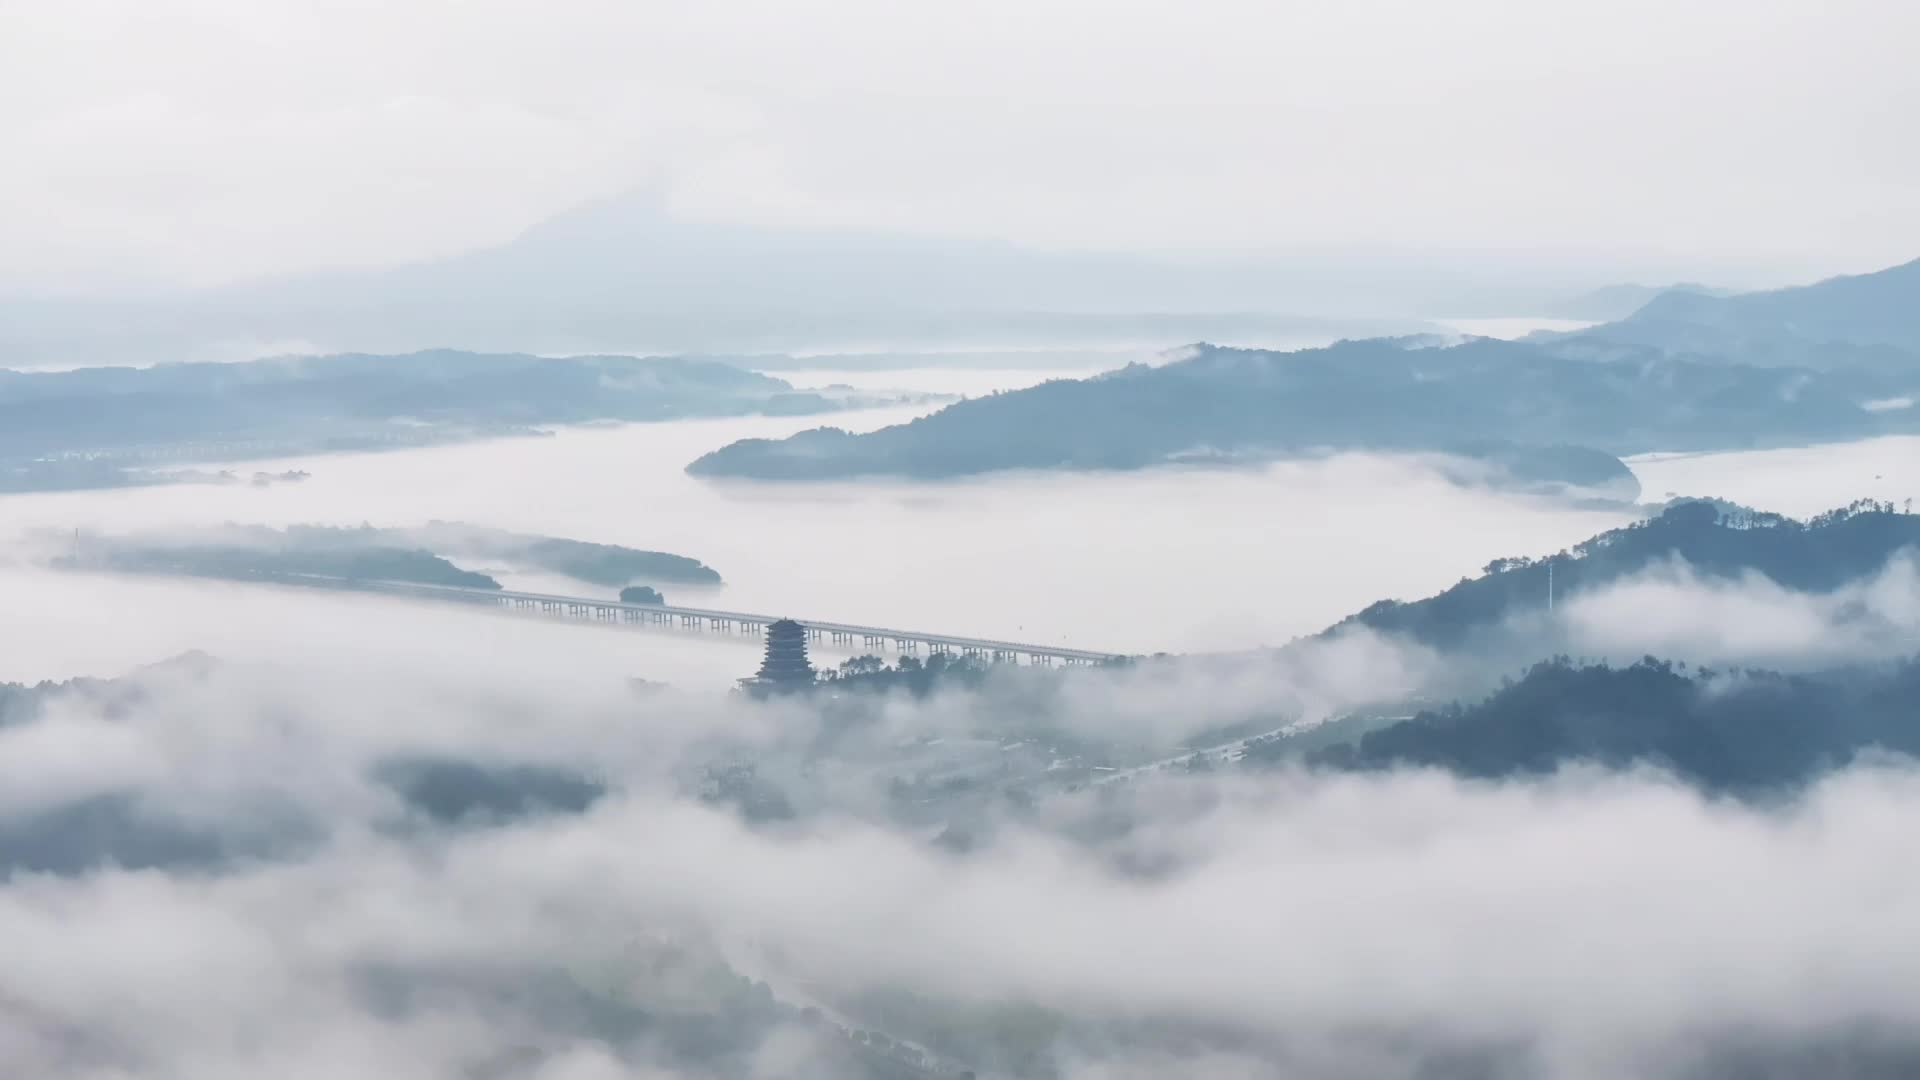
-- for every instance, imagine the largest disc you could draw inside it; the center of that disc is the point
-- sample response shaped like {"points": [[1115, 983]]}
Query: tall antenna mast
{"points": [[1549, 586]]}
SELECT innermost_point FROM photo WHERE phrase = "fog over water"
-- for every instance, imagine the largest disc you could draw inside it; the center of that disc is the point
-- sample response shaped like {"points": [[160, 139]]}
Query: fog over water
{"points": [[1798, 481], [1306, 924], [969, 382], [1632, 814], [1511, 327], [1169, 559], [1100, 561]]}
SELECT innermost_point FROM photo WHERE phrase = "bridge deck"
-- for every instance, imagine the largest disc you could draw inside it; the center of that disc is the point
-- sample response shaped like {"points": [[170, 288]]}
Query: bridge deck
{"points": [[847, 633]]}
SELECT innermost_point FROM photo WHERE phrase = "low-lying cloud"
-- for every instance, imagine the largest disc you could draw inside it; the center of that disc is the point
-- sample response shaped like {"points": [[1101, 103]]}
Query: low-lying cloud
{"points": [[1671, 610], [373, 838], [1405, 924]]}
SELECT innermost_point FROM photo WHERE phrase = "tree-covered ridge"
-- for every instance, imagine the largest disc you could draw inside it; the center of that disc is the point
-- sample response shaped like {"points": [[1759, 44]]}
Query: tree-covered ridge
{"points": [[1378, 394], [908, 674], [423, 555], [313, 404], [289, 563], [1862, 319], [597, 564], [1818, 555], [1747, 731]]}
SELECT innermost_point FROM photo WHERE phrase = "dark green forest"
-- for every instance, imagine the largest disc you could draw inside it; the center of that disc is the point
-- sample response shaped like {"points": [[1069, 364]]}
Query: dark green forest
{"points": [[1742, 732], [421, 556], [288, 564], [1818, 555]]}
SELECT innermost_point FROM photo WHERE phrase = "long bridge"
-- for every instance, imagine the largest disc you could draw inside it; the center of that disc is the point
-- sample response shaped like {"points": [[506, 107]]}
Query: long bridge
{"points": [[615, 613]]}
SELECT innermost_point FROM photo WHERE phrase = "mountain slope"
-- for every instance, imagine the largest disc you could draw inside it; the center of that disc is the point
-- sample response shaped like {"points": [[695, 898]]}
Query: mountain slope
{"points": [[1816, 556], [1863, 318], [1611, 302], [1746, 733], [1374, 394], [624, 276], [306, 401]]}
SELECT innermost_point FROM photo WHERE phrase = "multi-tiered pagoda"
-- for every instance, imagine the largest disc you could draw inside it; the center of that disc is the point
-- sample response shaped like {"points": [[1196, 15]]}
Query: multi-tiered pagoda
{"points": [[785, 666]]}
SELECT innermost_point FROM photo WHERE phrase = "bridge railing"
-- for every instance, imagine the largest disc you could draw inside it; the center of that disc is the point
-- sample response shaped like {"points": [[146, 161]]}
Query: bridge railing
{"points": [[904, 641]]}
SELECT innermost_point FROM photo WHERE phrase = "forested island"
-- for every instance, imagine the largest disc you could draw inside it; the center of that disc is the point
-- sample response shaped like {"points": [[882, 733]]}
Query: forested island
{"points": [[1383, 394], [610, 565], [1688, 371], [285, 563], [423, 556], [113, 426]]}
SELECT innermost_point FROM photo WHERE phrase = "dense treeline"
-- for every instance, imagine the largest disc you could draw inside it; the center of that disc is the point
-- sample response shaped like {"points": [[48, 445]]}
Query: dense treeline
{"points": [[417, 555], [1815, 556], [939, 671], [1739, 731], [597, 564], [290, 399], [268, 564]]}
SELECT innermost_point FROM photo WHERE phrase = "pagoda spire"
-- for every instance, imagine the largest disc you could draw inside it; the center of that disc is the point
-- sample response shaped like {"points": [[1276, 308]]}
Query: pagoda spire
{"points": [[785, 665]]}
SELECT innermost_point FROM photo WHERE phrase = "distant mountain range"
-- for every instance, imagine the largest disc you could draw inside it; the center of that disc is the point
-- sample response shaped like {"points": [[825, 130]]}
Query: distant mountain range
{"points": [[1688, 371], [99, 427], [289, 398], [1612, 302], [622, 276], [1227, 404], [1868, 320]]}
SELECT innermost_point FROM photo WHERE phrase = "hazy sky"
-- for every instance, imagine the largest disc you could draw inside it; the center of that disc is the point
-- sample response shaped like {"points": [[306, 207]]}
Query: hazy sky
{"points": [[199, 140]]}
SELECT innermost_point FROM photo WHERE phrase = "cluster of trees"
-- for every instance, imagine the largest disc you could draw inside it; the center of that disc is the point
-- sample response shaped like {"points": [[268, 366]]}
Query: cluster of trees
{"points": [[1819, 555], [609, 565], [450, 790], [739, 786], [416, 555], [939, 671], [287, 564], [1744, 732], [70, 474]]}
